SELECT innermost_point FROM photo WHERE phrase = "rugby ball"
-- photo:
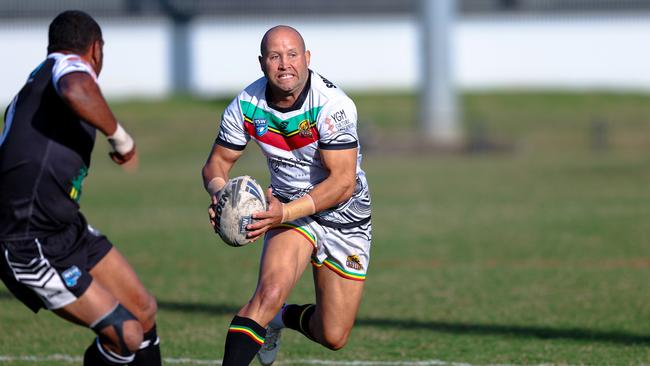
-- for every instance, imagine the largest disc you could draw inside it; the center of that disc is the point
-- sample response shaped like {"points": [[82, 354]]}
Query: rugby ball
{"points": [[238, 200]]}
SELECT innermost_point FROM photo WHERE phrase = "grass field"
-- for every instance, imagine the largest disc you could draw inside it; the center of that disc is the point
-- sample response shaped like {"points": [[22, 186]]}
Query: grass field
{"points": [[535, 254]]}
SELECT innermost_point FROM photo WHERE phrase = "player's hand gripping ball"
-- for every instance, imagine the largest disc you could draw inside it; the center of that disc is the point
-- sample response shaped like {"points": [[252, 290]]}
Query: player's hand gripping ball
{"points": [[237, 201]]}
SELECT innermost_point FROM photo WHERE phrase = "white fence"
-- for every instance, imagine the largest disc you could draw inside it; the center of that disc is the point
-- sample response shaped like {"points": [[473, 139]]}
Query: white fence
{"points": [[372, 54]]}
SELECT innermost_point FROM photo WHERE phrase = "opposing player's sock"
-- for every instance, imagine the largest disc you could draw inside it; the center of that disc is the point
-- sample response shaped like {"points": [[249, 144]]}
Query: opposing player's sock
{"points": [[244, 339], [97, 355], [149, 352], [297, 317]]}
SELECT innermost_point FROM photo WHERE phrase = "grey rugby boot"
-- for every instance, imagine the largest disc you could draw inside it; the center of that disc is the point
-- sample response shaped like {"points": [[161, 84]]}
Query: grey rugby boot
{"points": [[269, 351]]}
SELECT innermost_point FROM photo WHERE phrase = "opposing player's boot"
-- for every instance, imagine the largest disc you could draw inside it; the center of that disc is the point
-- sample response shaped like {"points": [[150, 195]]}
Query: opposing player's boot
{"points": [[269, 351]]}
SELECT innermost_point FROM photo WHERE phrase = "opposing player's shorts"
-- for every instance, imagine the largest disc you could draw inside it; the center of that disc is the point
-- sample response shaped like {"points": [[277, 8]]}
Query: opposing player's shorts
{"points": [[51, 272], [344, 251]]}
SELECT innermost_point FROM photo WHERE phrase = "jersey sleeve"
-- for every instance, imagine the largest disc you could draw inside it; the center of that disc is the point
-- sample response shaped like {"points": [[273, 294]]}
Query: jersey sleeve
{"points": [[231, 131], [337, 126], [69, 64]]}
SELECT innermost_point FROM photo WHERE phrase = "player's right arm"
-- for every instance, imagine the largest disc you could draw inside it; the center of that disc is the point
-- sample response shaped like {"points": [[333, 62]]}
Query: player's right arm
{"points": [[80, 92], [216, 168], [227, 148], [215, 174]]}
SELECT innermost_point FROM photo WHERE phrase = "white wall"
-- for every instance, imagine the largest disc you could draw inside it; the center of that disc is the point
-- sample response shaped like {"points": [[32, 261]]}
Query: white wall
{"points": [[136, 61], [372, 54], [359, 54], [591, 52]]}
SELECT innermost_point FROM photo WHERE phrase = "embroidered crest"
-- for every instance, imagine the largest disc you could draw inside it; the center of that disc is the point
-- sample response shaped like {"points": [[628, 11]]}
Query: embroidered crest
{"points": [[354, 262], [261, 127], [71, 275], [305, 129]]}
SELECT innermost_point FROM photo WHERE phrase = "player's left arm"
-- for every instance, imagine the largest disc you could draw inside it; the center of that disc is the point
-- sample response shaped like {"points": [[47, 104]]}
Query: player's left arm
{"points": [[80, 92], [338, 187]]}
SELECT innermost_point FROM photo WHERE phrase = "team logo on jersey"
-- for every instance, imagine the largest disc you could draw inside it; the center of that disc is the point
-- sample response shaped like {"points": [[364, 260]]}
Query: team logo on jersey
{"points": [[305, 129], [77, 183], [329, 124], [71, 276], [354, 262], [261, 126]]}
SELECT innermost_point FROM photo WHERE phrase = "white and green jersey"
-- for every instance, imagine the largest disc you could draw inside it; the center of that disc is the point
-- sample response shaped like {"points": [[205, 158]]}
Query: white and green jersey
{"points": [[323, 118]]}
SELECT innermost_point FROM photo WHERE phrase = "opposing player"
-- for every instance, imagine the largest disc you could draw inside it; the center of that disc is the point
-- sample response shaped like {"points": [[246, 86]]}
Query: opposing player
{"points": [[51, 258], [319, 203]]}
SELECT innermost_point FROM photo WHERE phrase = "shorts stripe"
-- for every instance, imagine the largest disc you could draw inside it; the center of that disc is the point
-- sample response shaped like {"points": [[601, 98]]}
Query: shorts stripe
{"points": [[309, 236], [40, 277], [339, 270], [315, 262], [248, 331]]}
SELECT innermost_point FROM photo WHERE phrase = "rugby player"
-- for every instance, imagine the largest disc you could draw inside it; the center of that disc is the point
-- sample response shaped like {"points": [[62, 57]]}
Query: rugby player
{"points": [[319, 202], [51, 258]]}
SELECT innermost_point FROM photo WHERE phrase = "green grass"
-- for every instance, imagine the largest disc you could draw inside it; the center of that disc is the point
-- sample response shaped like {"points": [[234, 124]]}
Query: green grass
{"points": [[534, 255]]}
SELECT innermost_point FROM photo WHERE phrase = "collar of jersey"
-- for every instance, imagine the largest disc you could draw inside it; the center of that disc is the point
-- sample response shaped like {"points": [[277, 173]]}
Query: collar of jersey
{"points": [[296, 105]]}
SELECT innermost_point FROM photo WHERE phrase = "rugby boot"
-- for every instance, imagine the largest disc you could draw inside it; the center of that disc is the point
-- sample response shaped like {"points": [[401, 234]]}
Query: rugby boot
{"points": [[269, 351]]}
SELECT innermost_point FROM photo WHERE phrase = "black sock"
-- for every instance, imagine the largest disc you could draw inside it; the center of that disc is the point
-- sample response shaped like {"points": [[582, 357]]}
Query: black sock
{"points": [[244, 339], [149, 352], [297, 317], [96, 357]]}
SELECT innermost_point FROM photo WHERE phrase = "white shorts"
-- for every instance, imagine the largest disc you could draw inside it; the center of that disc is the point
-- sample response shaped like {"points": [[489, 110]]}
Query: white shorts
{"points": [[344, 251]]}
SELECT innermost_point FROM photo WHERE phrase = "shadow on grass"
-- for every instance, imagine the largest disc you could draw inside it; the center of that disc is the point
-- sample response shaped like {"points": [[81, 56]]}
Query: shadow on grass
{"points": [[515, 331], [519, 331], [208, 309], [4, 295]]}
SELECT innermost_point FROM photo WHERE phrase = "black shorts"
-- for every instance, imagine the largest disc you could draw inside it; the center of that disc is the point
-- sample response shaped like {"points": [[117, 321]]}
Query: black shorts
{"points": [[51, 272]]}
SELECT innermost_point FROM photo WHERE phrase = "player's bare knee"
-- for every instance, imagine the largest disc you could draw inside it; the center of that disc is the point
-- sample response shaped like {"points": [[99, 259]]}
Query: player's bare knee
{"points": [[133, 335], [148, 312], [121, 329], [145, 309], [335, 339], [271, 298]]}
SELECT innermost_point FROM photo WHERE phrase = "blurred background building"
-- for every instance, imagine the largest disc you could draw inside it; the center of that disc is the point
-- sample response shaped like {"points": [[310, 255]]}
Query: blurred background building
{"points": [[209, 48]]}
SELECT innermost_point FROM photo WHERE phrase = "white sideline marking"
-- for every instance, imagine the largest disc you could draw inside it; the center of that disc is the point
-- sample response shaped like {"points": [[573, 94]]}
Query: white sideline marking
{"points": [[191, 361]]}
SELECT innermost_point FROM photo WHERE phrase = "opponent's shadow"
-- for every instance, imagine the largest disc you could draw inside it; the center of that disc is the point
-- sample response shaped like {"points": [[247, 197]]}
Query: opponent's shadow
{"points": [[515, 331], [208, 309]]}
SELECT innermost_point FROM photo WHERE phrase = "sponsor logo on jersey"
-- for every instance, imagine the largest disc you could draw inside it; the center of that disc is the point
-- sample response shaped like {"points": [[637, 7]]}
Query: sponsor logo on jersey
{"points": [[328, 83], [53, 294], [329, 124], [341, 121], [305, 129], [261, 126], [71, 275], [354, 262]]}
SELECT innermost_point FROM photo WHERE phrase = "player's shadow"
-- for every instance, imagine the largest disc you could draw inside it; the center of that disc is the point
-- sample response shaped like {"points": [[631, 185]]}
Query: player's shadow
{"points": [[518, 331], [515, 331], [208, 309]]}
